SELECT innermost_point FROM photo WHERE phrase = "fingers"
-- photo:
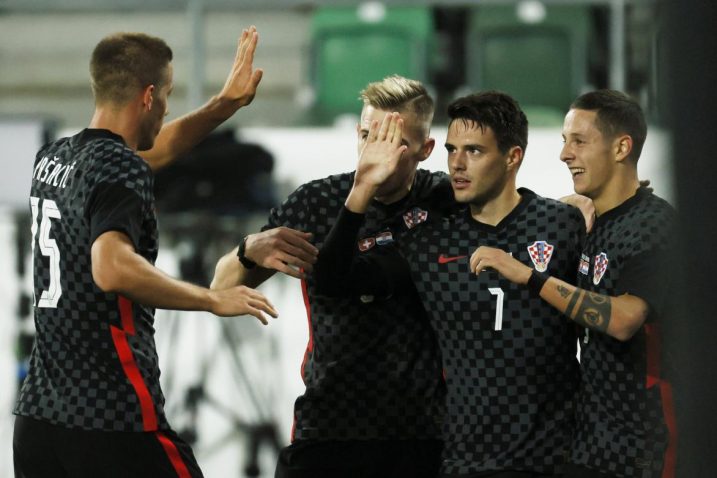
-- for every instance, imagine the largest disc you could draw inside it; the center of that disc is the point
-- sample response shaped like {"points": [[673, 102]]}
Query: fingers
{"points": [[288, 270], [386, 125], [253, 39], [372, 131]]}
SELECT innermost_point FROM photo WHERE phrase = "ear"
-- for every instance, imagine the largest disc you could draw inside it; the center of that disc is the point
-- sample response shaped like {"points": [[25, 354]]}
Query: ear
{"points": [[147, 97], [622, 147], [427, 149], [514, 158]]}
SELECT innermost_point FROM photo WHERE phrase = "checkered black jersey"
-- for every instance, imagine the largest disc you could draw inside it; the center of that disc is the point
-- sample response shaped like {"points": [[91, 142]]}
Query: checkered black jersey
{"points": [[624, 412], [372, 368], [94, 363], [509, 358]]}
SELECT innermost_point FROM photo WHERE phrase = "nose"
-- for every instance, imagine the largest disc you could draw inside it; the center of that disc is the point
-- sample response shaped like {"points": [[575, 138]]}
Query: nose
{"points": [[566, 153], [456, 161]]}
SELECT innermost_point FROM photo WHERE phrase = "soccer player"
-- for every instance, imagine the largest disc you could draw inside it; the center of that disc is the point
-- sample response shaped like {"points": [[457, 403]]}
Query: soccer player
{"points": [[374, 394], [91, 405], [625, 421], [509, 362]]}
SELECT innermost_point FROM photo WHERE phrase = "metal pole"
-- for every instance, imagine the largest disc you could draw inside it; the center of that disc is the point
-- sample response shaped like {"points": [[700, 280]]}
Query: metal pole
{"points": [[617, 45], [195, 85]]}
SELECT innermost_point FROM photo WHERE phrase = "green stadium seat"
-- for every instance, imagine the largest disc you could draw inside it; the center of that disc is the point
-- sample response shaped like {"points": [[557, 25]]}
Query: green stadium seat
{"points": [[543, 65], [348, 52]]}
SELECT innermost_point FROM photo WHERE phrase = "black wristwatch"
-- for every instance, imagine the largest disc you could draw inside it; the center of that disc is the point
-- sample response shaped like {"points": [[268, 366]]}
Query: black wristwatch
{"points": [[241, 254]]}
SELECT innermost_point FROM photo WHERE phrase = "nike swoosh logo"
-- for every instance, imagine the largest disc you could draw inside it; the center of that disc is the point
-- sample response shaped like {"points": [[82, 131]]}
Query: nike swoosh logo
{"points": [[444, 259]]}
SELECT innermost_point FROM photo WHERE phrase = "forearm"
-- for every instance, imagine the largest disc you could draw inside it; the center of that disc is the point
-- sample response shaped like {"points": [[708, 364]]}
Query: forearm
{"points": [[333, 267], [180, 135], [619, 317], [229, 272], [126, 273], [360, 197]]}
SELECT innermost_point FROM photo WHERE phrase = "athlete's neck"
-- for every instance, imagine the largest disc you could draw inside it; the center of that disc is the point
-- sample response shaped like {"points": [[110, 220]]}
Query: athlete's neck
{"points": [[398, 193], [618, 190], [118, 120], [494, 210]]}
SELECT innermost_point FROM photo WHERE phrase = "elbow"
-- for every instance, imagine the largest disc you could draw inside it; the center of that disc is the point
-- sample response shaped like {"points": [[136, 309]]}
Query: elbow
{"points": [[625, 329], [106, 269], [105, 278]]}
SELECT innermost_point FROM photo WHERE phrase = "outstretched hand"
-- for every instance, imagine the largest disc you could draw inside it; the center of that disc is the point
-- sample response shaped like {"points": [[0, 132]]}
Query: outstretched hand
{"points": [[243, 79], [241, 300]]}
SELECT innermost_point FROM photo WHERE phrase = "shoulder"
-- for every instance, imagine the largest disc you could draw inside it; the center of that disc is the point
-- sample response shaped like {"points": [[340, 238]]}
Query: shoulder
{"points": [[656, 220], [337, 185], [552, 208]]}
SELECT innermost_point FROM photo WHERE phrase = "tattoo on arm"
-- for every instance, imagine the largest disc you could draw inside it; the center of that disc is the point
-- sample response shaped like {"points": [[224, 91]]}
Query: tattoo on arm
{"points": [[563, 291], [594, 311], [577, 293]]}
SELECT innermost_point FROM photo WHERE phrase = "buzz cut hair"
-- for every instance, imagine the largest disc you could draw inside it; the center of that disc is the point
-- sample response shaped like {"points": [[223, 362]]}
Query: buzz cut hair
{"points": [[396, 93], [123, 64]]}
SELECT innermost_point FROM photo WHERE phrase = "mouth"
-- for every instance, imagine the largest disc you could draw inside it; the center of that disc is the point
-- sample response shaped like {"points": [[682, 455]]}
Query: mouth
{"points": [[460, 183], [577, 171]]}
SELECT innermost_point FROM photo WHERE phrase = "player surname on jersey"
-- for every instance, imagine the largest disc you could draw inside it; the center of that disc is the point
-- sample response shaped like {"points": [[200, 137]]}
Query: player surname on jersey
{"points": [[52, 171]]}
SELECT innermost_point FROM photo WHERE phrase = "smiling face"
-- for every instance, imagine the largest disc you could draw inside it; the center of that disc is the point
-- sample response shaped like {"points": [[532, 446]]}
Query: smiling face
{"points": [[479, 171], [587, 153], [415, 137]]}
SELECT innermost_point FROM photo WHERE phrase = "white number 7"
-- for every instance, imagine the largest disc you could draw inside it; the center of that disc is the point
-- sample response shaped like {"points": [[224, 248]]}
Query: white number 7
{"points": [[497, 291], [48, 247]]}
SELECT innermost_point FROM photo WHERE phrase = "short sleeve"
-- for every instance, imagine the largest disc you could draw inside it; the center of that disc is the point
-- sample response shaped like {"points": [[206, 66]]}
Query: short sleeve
{"points": [[643, 276], [113, 207]]}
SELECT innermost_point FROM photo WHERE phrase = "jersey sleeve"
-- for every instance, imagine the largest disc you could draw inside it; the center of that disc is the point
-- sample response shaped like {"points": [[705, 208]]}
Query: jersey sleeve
{"points": [[340, 270], [114, 207], [288, 214], [643, 276]]}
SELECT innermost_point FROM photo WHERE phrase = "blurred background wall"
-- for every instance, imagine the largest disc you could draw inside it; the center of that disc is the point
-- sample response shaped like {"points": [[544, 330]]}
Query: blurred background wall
{"points": [[230, 384]]}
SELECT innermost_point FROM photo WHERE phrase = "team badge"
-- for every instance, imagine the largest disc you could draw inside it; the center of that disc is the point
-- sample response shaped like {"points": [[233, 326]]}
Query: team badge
{"points": [[584, 266], [384, 238], [540, 254], [366, 244], [414, 217], [600, 267]]}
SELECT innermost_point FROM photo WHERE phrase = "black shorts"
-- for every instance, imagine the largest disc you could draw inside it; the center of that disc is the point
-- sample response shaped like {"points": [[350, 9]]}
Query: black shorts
{"points": [[360, 459], [41, 450]]}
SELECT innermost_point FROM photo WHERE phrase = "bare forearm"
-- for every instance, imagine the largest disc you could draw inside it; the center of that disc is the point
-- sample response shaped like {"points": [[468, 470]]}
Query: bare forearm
{"points": [[229, 272], [131, 275], [620, 317]]}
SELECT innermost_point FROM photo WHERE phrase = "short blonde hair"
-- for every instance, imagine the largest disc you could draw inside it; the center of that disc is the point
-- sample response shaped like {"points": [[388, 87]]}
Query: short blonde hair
{"points": [[396, 93]]}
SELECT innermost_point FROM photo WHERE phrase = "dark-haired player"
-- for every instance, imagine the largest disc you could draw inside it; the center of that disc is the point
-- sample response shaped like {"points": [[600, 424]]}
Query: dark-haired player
{"points": [[509, 362], [91, 405], [625, 419]]}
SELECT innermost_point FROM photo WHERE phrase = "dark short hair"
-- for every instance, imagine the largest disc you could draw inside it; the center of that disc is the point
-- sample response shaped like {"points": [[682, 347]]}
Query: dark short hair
{"points": [[124, 63], [494, 110], [617, 113]]}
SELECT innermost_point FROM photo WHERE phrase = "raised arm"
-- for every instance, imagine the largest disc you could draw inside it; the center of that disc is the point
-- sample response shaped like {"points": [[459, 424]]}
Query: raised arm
{"points": [[116, 267], [182, 134], [617, 316], [339, 270]]}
